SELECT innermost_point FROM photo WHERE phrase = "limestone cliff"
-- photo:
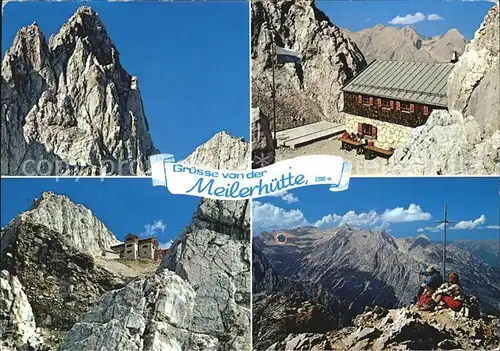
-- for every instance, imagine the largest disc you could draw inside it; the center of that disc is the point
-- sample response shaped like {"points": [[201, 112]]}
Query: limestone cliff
{"points": [[465, 140], [69, 107], [77, 226], [50, 271], [222, 151], [306, 93], [199, 298]]}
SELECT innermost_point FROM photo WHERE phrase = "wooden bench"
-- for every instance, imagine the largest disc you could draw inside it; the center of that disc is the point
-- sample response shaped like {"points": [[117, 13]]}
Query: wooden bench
{"points": [[372, 151], [348, 144]]}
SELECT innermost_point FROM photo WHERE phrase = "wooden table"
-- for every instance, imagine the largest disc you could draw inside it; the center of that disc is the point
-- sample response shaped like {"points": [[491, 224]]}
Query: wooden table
{"points": [[373, 151], [348, 144]]}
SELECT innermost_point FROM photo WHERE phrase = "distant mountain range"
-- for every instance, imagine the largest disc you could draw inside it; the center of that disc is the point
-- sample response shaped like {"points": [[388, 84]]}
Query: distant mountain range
{"points": [[487, 250], [406, 44], [362, 267], [322, 279]]}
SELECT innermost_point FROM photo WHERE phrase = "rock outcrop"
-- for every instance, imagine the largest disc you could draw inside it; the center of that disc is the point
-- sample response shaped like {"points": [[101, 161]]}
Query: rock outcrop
{"points": [[222, 151], [465, 140], [473, 86], [17, 322], [304, 93], [405, 44], [263, 153], [448, 144], [76, 225], [402, 329], [69, 107], [199, 298], [50, 275]]}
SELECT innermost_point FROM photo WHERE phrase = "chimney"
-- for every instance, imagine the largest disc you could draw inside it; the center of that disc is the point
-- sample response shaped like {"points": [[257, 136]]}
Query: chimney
{"points": [[454, 57]]}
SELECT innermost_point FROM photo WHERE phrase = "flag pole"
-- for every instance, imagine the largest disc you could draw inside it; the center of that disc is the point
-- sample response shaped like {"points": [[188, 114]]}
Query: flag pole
{"points": [[274, 91]]}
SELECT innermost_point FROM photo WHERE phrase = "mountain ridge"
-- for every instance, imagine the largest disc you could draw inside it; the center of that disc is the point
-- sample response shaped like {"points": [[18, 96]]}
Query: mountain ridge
{"points": [[382, 42]]}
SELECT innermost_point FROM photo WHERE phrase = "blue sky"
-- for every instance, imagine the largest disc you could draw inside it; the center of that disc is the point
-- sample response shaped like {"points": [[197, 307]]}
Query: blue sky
{"points": [[124, 205], [191, 60], [406, 207], [466, 16]]}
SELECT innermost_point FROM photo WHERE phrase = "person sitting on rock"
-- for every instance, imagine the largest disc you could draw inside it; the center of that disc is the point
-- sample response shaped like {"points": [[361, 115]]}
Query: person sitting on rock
{"points": [[433, 281], [449, 293]]}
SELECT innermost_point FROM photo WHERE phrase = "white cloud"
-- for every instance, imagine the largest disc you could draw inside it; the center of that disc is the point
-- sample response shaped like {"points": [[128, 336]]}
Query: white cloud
{"points": [[286, 196], [492, 227], [408, 19], [462, 225], [434, 17], [267, 217], [399, 214], [374, 220], [154, 228], [363, 219], [433, 229]]}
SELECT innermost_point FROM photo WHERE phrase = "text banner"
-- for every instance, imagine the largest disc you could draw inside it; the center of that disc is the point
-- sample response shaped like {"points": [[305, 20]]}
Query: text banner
{"points": [[238, 185]]}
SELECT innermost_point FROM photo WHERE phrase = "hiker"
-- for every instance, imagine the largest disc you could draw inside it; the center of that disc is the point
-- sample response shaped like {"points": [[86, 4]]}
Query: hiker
{"points": [[449, 293], [345, 135], [433, 281]]}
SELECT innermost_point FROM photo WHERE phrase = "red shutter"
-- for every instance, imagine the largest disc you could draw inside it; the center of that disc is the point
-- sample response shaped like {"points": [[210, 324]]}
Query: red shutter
{"points": [[392, 104], [371, 101], [412, 108], [426, 110], [359, 99], [398, 106], [374, 132], [360, 128], [379, 102]]}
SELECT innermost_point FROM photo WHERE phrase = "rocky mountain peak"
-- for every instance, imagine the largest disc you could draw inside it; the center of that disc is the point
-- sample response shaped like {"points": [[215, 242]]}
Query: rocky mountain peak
{"points": [[410, 30], [71, 105], [76, 225], [85, 26], [454, 32], [222, 151]]}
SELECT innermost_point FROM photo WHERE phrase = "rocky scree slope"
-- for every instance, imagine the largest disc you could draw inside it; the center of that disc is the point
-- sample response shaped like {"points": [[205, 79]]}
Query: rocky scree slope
{"points": [[306, 93], [402, 329], [281, 306], [465, 140], [70, 103], [405, 44], [199, 298], [347, 268], [49, 275]]}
